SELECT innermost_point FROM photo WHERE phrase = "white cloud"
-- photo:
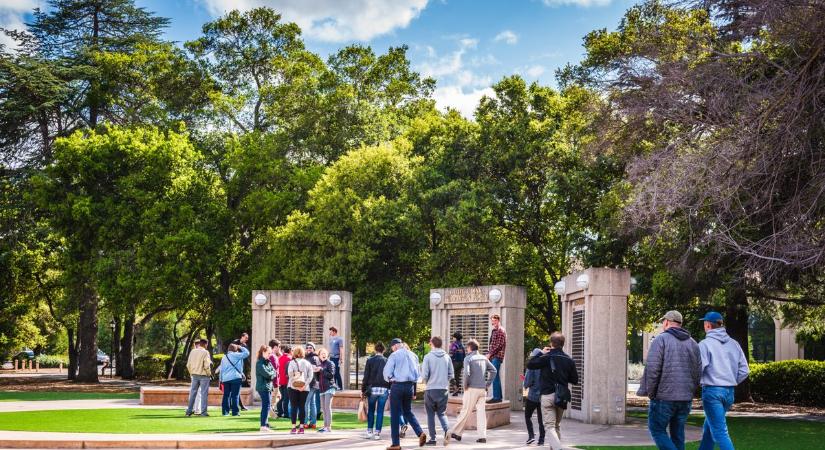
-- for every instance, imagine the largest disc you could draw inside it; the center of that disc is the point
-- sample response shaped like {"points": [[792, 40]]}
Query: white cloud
{"points": [[334, 20], [507, 36], [462, 100], [585, 3], [446, 65], [11, 17], [535, 71]]}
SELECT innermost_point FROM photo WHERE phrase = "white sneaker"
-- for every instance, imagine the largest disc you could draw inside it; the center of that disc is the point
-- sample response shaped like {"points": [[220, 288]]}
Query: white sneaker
{"points": [[368, 435], [265, 429], [376, 436]]}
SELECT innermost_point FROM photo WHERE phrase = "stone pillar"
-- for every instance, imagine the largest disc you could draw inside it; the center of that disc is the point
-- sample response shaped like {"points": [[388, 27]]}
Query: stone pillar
{"points": [[468, 310], [298, 317], [785, 345], [594, 322]]}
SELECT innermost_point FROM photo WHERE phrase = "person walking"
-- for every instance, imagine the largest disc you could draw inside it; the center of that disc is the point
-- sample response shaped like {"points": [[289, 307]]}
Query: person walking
{"points": [[313, 396], [457, 355], [326, 387], [436, 372], [375, 390], [231, 368], [558, 370], [723, 367], [274, 354], [478, 375], [336, 354], [264, 374], [300, 375], [498, 342], [670, 378], [402, 372], [283, 406], [532, 403], [199, 365]]}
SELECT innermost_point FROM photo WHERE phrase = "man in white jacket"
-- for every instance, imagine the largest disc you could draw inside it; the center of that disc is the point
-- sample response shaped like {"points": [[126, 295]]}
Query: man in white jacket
{"points": [[436, 371]]}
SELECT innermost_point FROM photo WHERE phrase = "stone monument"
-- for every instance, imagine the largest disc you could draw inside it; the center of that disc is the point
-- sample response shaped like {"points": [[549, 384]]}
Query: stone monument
{"points": [[468, 311], [594, 323], [298, 317]]}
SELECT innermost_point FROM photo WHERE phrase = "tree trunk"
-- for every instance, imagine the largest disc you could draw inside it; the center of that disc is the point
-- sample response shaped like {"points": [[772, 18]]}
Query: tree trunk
{"points": [[116, 342], [736, 323], [87, 335], [550, 302], [72, 353], [127, 346]]}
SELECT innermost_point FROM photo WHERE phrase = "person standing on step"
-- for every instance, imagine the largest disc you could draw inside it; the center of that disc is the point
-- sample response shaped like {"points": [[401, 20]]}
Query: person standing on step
{"points": [[402, 372], [457, 355], [670, 378], [326, 387], [532, 403], [336, 355], [436, 372], [375, 390], [478, 375], [724, 366], [264, 374], [199, 365], [557, 371], [300, 375], [312, 401], [495, 353]]}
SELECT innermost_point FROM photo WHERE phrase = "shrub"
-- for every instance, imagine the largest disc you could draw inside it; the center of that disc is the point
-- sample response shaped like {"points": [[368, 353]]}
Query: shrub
{"points": [[792, 382], [151, 366], [635, 371], [52, 361]]}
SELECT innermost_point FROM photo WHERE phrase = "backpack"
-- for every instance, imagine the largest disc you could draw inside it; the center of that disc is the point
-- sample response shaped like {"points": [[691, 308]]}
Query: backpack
{"points": [[458, 352], [562, 393]]}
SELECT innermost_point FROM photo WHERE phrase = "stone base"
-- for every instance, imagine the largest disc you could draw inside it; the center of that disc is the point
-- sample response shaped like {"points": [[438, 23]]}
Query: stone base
{"points": [[348, 399], [179, 396], [498, 414]]}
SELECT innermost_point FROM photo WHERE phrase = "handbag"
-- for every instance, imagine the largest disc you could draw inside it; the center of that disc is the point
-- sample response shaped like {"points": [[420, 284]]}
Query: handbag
{"points": [[297, 379], [562, 393], [362, 411]]}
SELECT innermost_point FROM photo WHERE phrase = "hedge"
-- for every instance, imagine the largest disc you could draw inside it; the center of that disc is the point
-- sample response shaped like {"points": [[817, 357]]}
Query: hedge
{"points": [[792, 382], [52, 361], [151, 366]]}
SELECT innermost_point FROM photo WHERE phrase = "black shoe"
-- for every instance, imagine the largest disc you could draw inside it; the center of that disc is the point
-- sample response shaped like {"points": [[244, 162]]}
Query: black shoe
{"points": [[494, 400], [540, 442], [188, 413], [455, 436], [431, 443], [244, 408], [481, 440], [204, 414], [530, 440]]}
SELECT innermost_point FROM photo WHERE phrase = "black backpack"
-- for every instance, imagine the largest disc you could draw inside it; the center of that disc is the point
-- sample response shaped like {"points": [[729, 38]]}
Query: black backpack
{"points": [[562, 392], [459, 354]]}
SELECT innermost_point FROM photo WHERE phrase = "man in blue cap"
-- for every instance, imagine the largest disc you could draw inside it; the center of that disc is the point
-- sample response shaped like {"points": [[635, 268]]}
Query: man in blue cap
{"points": [[723, 367], [402, 372]]}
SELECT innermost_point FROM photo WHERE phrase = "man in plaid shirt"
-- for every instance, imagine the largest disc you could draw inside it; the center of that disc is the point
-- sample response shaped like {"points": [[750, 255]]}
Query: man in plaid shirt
{"points": [[495, 353]]}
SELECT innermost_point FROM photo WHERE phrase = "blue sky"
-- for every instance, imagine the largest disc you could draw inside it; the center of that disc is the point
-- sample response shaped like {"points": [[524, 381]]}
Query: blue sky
{"points": [[466, 45]]}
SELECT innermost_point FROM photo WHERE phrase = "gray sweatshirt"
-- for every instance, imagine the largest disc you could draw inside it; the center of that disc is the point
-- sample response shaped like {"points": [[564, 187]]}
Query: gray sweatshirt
{"points": [[476, 366], [437, 370], [723, 361], [672, 368]]}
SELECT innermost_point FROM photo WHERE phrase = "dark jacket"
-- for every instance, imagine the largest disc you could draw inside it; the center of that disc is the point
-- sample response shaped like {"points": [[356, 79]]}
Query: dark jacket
{"points": [[313, 359], [374, 374], [264, 373], [326, 376], [565, 370], [673, 367]]}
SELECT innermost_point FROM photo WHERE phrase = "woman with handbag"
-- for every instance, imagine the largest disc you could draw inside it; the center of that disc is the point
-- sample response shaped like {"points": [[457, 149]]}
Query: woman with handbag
{"points": [[300, 375], [327, 387], [231, 369]]}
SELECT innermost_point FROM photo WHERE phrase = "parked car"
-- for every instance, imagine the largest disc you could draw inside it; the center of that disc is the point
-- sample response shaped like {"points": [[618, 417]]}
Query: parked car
{"points": [[26, 353], [102, 358]]}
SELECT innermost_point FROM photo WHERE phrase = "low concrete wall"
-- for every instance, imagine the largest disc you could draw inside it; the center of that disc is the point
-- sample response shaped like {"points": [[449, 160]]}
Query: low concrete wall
{"points": [[498, 414], [179, 396]]}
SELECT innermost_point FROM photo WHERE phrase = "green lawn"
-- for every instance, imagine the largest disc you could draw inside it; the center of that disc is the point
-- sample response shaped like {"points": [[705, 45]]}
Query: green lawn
{"points": [[25, 396], [753, 433], [149, 421]]}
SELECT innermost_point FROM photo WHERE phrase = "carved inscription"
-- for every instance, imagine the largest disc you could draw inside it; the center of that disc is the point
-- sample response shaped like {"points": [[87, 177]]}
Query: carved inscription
{"points": [[466, 295], [299, 329]]}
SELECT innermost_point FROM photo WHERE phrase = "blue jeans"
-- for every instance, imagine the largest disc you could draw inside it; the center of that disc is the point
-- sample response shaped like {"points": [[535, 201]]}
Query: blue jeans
{"points": [[664, 414], [401, 395], [497, 380], [337, 362], [231, 393], [312, 406], [266, 399], [375, 410], [716, 401]]}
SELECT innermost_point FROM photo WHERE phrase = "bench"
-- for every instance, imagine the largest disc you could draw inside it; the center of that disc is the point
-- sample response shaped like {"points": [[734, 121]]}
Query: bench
{"points": [[498, 414], [179, 395]]}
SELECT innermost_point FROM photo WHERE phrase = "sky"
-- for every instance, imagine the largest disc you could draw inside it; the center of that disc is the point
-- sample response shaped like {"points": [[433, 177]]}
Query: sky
{"points": [[466, 45]]}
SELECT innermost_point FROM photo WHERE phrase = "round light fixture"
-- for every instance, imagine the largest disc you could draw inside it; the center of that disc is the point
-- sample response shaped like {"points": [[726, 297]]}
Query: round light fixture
{"points": [[494, 295], [334, 299], [260, 299], [582, 281], [634, 283], [435, 299], [560, 287]]}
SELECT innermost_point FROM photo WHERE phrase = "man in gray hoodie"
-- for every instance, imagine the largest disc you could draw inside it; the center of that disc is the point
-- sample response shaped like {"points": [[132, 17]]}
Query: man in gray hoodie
{"points": [[436, 372], [670, 378], [477, 377], [723, 367]]}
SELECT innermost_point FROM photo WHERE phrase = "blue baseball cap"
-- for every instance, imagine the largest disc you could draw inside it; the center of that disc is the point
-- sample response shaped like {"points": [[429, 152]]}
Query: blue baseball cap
{"points": [[711, 316]]}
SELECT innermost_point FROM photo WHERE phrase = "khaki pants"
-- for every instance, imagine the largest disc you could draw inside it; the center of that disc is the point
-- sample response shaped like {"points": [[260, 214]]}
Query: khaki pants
{"points": [[472, 397], [552, 421]]}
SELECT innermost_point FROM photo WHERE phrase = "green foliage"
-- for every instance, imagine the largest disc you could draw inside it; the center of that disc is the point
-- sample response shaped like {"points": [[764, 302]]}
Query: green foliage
{"points": [[151, 367], [52, 361], [792, 382]]}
